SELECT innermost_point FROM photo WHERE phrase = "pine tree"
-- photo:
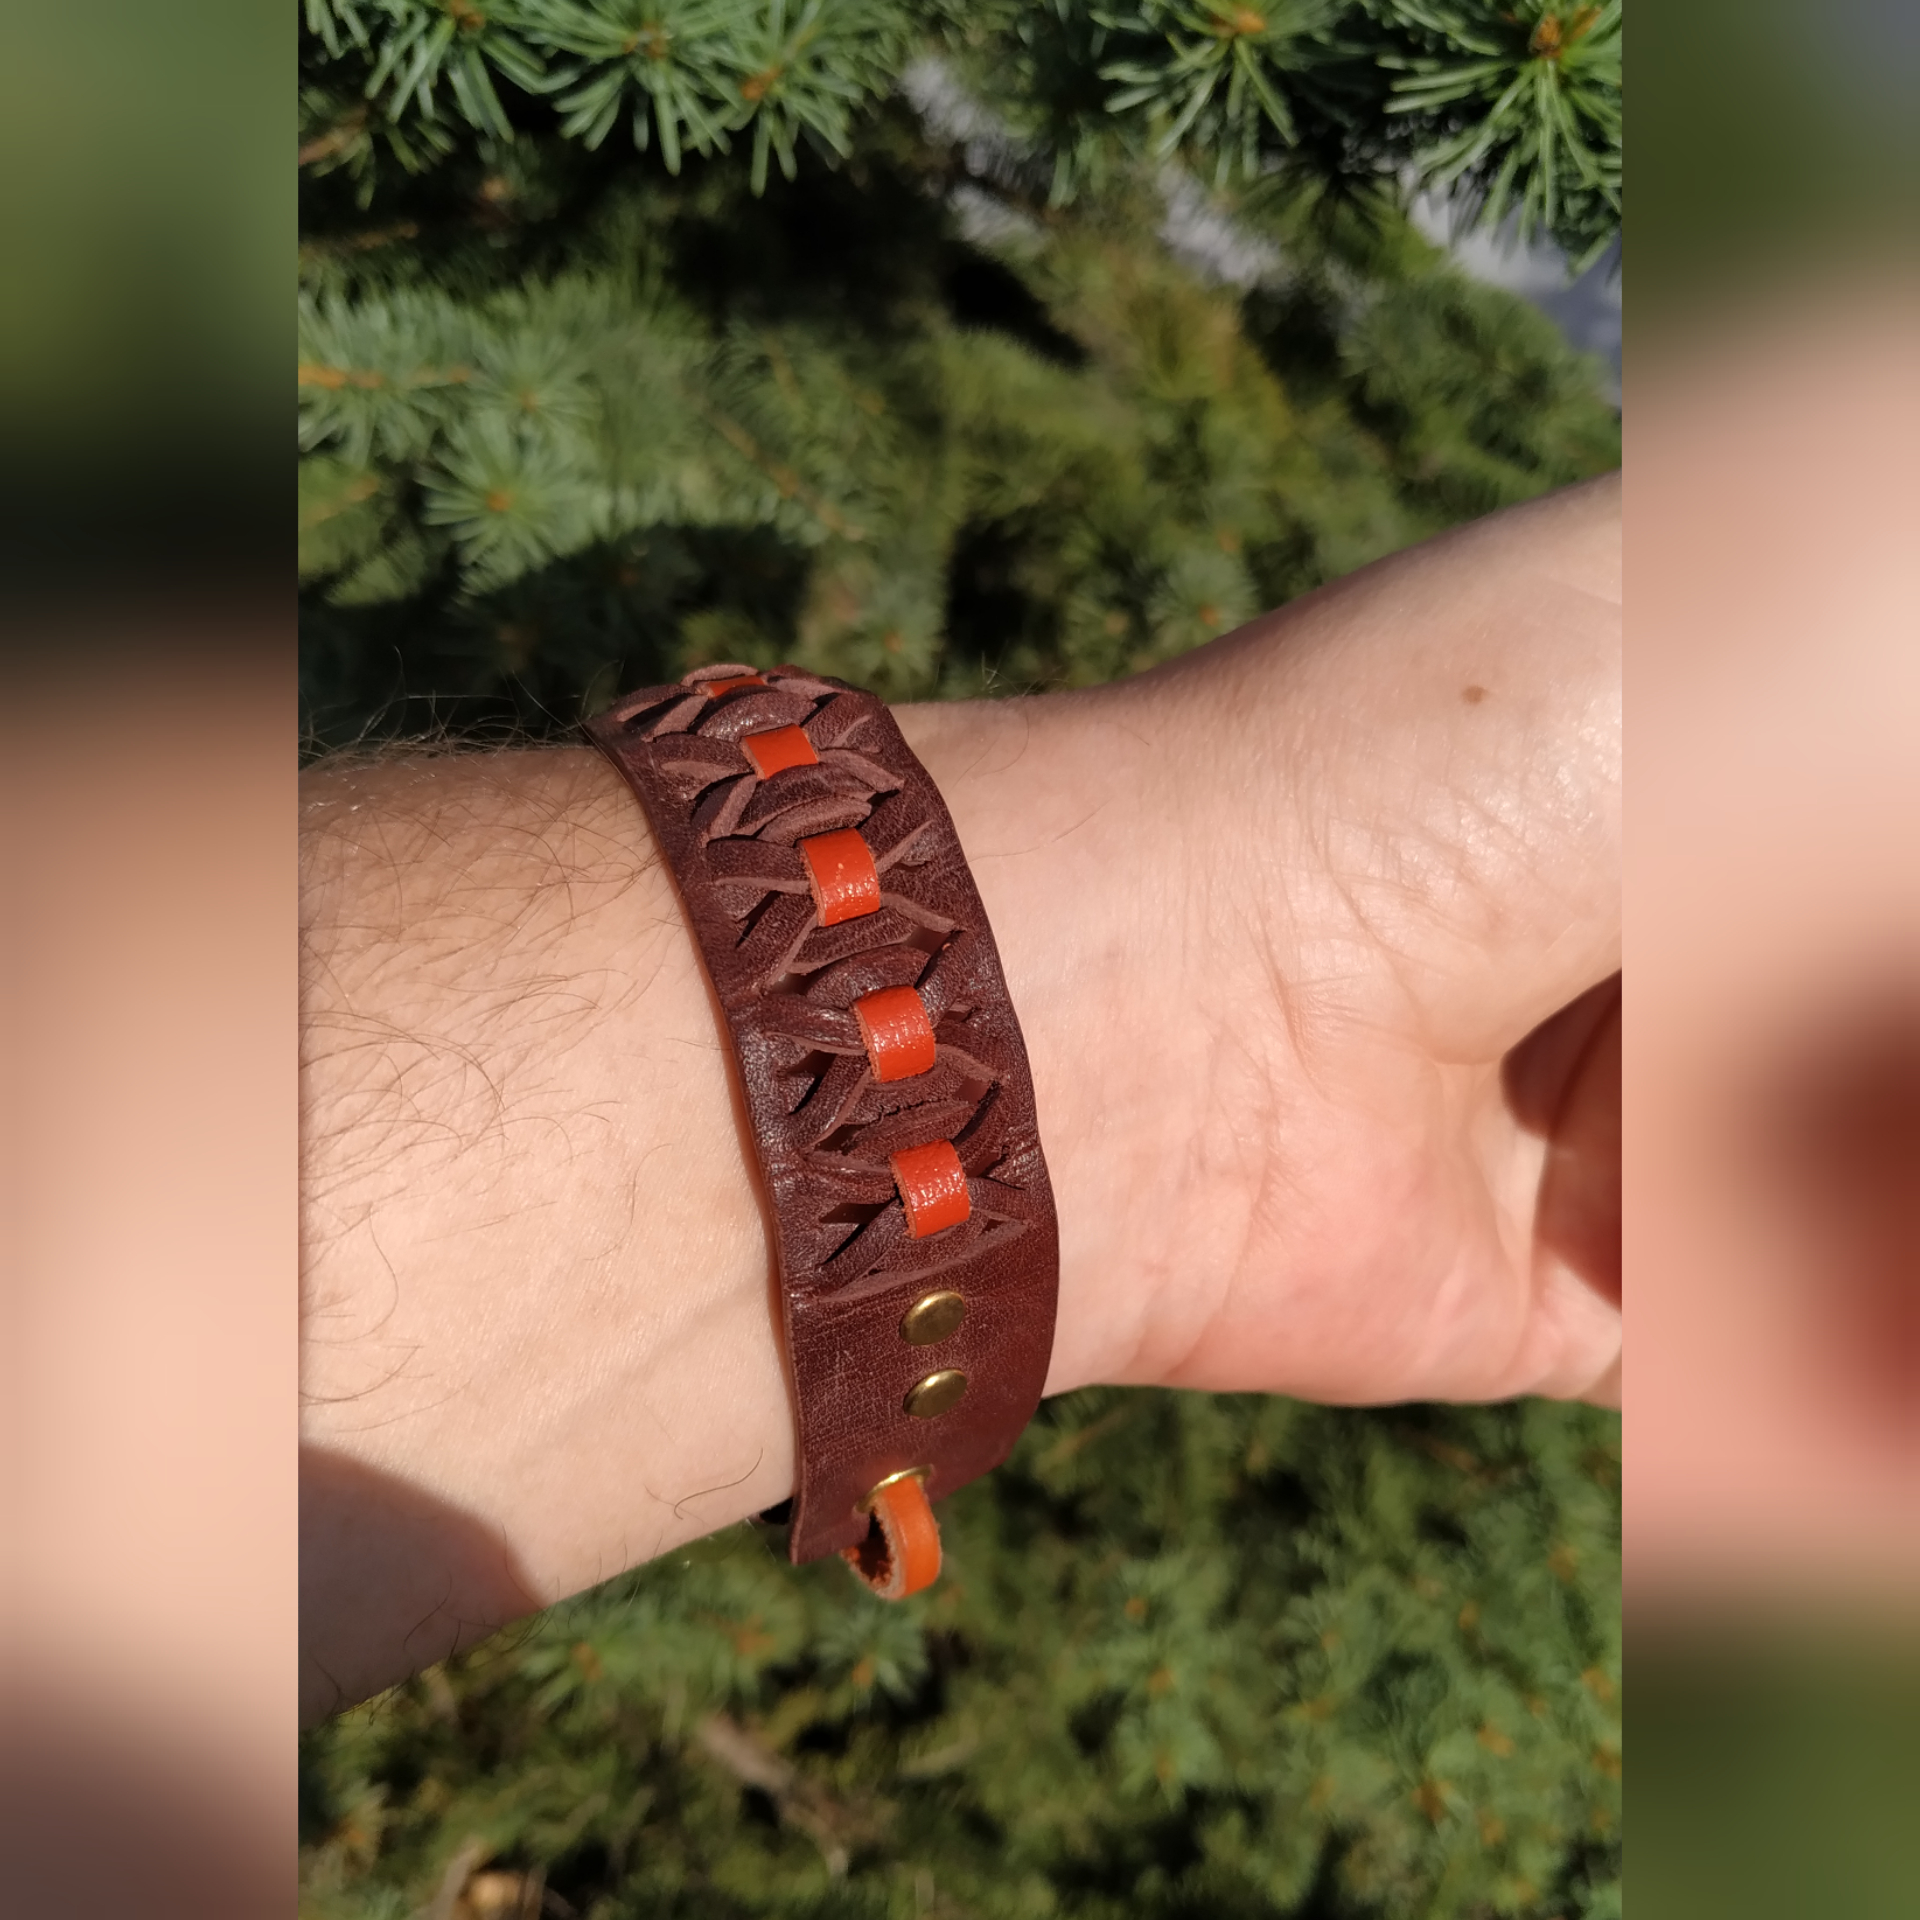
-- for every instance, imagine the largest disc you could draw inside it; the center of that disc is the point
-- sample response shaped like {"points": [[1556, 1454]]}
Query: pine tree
{"points": [[593, 390], [958, 351], [1191, 1654]]}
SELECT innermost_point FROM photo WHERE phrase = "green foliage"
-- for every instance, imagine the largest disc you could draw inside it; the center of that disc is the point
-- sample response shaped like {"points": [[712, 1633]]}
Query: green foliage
{"points": [[1046, 455], [677, 68], [1192, 1655], [940, 415], [1523, 105], [414, 46], [606, 394], [1216, 77], [1534, 93]]}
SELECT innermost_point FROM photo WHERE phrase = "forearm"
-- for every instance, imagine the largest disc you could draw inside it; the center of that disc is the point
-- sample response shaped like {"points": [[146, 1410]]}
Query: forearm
{"points": [[540, 1327], [536, 1286], [1266, 917]]}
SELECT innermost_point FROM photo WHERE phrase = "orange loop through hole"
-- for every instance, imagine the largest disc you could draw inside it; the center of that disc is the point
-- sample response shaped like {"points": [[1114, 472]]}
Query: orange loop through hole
{"points": [[718, 689], [778, 749], [841, 872], [901, 1553], [896, 1032], [933, 1187]]}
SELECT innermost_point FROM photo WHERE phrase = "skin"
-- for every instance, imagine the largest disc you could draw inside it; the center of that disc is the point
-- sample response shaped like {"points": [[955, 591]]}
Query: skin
{"points": [[1278, 919]]}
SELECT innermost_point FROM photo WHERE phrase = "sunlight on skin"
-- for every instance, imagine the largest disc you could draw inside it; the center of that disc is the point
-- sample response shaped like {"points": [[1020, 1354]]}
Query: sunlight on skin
{"points": [[1271, 916]]}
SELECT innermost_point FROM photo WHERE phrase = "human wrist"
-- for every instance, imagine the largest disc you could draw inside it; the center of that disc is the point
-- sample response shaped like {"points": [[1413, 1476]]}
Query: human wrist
{"points": [[1049, 796], [1310, 886], [537, 1307], [1270, 919], [538, 1263]]}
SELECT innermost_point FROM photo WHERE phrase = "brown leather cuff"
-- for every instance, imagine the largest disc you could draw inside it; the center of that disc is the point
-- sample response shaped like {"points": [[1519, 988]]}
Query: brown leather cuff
{"points": [[914, 1230]]}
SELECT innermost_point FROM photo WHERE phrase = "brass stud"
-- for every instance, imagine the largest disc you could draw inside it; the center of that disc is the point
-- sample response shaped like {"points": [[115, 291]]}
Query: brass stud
{"points": [[935, 1317], [867, 1502], [938, 1393]]}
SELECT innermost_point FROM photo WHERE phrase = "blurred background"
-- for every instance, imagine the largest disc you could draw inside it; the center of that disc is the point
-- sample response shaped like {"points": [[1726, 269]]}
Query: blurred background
{"points": [[148, 989], [1772, 1090]]}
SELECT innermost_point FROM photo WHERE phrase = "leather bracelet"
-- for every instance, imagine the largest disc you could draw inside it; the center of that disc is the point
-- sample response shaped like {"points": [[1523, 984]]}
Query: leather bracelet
{"points": [[886, 1082]]}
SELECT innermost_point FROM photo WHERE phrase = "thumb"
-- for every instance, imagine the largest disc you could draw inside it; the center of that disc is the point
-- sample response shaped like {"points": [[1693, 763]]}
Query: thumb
{"points": [[1563, 1083]]}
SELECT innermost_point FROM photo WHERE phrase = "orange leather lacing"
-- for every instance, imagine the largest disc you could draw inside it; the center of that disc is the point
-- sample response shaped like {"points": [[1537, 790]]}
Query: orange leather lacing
{"points": [[841, 872], [778, 749], [901, 1553], [896, 1033], [933, 1187]]}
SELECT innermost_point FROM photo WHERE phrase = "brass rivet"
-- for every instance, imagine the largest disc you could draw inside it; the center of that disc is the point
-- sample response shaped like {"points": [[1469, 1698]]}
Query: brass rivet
{"points": [[933, 1318], [879, 1487], [936, 1394]]}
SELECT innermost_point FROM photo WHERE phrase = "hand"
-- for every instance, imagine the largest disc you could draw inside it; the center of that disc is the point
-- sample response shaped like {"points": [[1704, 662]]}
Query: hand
{"points": [[1273, 917]]}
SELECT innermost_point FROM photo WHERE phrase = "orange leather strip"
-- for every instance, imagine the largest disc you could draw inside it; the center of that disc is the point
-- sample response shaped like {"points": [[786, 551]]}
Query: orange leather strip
{"points": [[933, 1187], [867, 1393], [901, 1553], [778, 749], [841, 872], [896, 1031]]}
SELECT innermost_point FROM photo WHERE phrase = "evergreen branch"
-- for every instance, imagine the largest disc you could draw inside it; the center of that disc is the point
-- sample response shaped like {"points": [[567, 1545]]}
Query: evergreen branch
{"points": [[337, 141], [345, 245], [672, 64], [370, 380], [1522, 108], [336, 24], [509, 501], [828, 1822], [804, 74], [1519, 109], [462, 42], [361, 488], [786, 482], [1213, 76], [349, 135]]}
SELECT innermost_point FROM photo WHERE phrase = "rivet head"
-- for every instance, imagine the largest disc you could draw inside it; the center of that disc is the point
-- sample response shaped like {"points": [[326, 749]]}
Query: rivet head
{"points": [[879, 1487], [936, 1316], [938, 1393]]}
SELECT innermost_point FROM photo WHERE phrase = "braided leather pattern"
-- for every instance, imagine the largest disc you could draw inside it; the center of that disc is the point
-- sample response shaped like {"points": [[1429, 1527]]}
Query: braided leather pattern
{"points": [[823, 1126]]}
